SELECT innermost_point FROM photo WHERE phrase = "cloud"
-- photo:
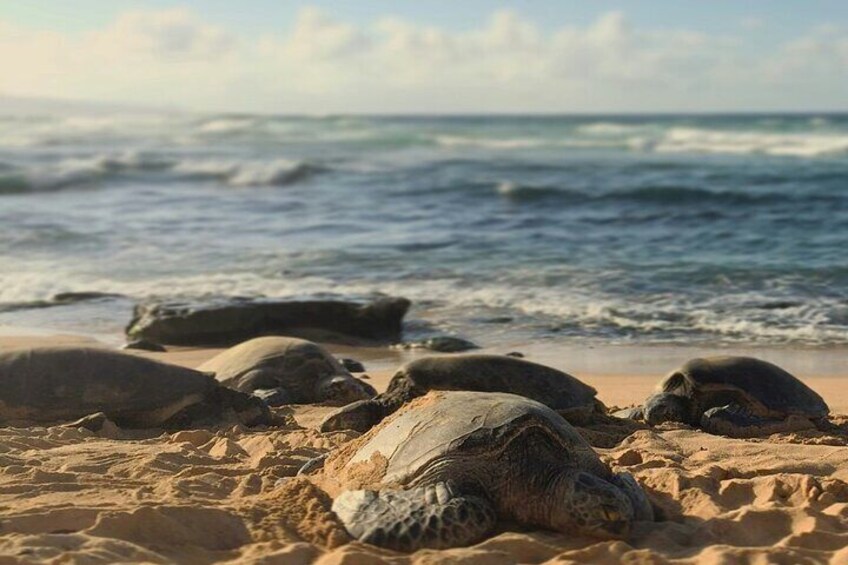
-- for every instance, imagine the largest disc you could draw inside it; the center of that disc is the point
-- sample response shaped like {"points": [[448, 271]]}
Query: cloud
{"points": [[167, 35], [506, 63]]}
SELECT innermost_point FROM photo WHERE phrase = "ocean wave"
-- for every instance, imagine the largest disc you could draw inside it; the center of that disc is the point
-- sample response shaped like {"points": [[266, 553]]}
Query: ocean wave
{"points": [[224, 126], [576, 309], [655, 195], [665, 138], [609, 128], [67, 173], [524, 192], [696, 140], [88, 172], [279, 172], [683, 194], [488, 142]]}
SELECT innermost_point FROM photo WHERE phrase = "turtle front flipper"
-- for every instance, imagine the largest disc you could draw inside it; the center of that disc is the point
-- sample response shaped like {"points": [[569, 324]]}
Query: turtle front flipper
{"points": [[313, 465], [735, 420], [434, 516], [634, 413], [277, 396]]}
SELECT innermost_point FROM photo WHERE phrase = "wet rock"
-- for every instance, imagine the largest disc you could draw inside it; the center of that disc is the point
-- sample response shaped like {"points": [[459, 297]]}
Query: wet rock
{"points": [[236, 320], [442, 344], [144, 345], [72, 297]]}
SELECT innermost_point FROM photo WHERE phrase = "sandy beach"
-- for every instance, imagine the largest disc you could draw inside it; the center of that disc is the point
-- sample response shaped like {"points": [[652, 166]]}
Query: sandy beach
{"points": [[230, 495], [241, 231]]}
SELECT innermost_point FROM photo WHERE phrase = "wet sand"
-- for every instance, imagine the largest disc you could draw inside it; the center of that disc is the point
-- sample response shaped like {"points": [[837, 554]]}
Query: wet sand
{"points": [[230, 495]]}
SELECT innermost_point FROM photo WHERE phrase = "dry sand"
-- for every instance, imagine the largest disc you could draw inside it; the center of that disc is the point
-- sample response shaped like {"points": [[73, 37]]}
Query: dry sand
{"points": [[229, 495]]}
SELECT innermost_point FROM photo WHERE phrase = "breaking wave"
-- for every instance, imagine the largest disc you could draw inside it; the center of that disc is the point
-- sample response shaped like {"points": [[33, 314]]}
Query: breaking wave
{"points": [[91, 171]]}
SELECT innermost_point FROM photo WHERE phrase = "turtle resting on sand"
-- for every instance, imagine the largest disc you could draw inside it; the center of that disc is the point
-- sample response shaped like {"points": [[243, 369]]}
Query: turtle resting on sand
{"points": [[572, 398], [58, 384], [733, 396], [287, 370], [446, 468]]}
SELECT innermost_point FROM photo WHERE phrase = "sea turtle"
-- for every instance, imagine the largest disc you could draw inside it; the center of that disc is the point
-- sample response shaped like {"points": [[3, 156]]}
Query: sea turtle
{"points": [[733, 396], [287, 370], [574, 399], [447, 467], [56, 384]]}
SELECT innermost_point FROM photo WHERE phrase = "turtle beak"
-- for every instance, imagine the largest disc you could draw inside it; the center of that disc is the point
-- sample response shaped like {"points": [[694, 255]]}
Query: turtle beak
{"points": [[615, 523], [342, 388]]}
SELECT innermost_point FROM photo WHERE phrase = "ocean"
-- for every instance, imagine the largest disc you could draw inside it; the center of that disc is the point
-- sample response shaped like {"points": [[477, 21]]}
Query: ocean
{"points": [[593, 229]]}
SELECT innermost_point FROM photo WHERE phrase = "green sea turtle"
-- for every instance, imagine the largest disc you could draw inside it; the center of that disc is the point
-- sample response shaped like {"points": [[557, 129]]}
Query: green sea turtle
{"points": [[446, 468], [572, 398], [733, 396], [59, 384], [287, 370]]}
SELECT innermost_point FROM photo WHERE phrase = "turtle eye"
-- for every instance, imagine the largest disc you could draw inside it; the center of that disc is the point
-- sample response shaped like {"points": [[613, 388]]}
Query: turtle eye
{"points": [[611, 514]]}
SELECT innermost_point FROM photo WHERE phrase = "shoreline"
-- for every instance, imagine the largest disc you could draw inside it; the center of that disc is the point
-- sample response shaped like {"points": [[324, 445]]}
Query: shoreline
{"points": [[231, 494], [623, 375]]}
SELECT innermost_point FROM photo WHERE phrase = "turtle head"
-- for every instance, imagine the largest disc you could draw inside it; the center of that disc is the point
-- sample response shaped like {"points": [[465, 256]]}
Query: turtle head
{"points": [[343, 389], [257, 379], [360, 416], [667, 407], [595, 506], [248, 409], [221, 404]]}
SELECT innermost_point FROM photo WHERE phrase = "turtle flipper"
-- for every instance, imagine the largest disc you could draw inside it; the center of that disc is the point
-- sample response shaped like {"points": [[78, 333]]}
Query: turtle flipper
{"points": [[642, 508], [278, 396], [634, 413], [435, 516], [313, 465], [737, 421]]}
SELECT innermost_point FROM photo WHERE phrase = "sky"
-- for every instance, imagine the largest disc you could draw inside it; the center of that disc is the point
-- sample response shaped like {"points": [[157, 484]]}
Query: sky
{"points": [[434, 56]]}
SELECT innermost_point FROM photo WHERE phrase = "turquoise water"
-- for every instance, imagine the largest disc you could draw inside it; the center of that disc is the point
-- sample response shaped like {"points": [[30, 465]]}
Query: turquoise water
{"points": [[652, 229]]}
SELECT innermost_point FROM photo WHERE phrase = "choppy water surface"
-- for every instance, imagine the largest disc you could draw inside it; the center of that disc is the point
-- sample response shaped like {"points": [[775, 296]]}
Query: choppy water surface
{"points": [[621, 229]]}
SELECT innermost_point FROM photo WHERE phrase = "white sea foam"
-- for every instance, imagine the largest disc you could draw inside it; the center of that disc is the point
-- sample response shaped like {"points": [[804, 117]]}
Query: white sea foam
{"points": [[488, 142], [227, 125], [609, 128], [696, 140], [732, 317], [87, 171], [278, 172]]}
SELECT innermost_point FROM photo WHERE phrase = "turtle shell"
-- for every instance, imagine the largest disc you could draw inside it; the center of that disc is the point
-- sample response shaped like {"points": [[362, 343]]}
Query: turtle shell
{"points": [[446, 426], [497, 373], [49, 384], [298, 363], [764, 388]]}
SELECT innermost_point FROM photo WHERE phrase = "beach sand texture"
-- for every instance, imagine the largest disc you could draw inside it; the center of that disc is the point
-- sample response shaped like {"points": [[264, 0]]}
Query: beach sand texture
{"points": [[230, 495]]}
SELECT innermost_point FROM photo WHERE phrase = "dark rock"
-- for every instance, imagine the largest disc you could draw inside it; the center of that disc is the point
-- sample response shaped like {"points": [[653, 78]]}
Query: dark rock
{"points": [[72, 297], [61, 299], [516, 354], [780, 305], [239, 320], [352, 365], [498, 320], [144, 345], [442, 344]]}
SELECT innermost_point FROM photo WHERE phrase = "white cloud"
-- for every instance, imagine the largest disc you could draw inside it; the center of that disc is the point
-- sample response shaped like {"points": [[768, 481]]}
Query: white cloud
{"points": [[505, 64], [168, 35]]}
